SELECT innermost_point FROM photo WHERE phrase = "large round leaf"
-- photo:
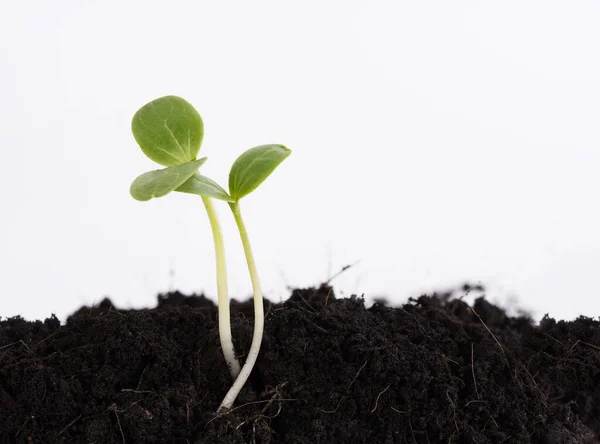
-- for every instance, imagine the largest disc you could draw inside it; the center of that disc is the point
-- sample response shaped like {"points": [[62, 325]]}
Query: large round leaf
{"points": [[169, 130], [160, 182], [253, 167]]}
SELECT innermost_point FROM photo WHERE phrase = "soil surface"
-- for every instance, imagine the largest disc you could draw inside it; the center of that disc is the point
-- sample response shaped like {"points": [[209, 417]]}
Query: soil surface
{"points": [[436, 370]]}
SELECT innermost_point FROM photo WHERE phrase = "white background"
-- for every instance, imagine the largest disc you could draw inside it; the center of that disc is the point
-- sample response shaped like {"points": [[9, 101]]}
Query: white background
{"points": [[435, 142]]}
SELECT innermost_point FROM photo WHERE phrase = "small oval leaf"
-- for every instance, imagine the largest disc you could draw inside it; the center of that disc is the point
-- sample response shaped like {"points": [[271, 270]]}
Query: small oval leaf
{"points": [[253, 167], [203, 186], [169, 130], [160, 182]]}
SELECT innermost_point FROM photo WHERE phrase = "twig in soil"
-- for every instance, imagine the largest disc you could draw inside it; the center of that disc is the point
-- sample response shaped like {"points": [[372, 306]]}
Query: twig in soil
{"points": [[530, 376], [453, 411], [535, 386], [24, 424], [137, 391], [472, 401], [268, 401], [552, 337], [306, 302], [327, 297], [14, 343], [495, 423], [412, 431], [92, 307], [269, 310], [473, 372], [343, 398], [344, 268], [45, 339], [567, 360], [529, 373], [579, 341], [69, 425], [379, 396], [25, 361], [447, 358], [415, 319], [113, 408], [357, 373], [493, 336]]}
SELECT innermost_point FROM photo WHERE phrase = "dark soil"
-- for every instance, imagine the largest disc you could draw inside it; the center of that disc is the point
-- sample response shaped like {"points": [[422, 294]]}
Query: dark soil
{"points": [[330, 371]]}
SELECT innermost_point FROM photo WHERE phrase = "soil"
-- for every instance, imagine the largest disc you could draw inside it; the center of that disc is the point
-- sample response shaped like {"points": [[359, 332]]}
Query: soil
{"points": [[436, 370]]}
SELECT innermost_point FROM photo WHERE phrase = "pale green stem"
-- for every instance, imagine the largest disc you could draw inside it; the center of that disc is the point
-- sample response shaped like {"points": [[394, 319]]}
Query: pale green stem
{"points": [[223, 296], [259, 316]]}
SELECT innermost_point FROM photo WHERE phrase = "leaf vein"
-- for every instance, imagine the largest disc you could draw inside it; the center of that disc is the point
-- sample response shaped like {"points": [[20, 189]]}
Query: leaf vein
{"points": [[176, 141]]}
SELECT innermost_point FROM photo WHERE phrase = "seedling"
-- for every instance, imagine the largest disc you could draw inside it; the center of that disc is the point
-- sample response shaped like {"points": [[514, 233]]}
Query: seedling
{"points": [[169, 131]]}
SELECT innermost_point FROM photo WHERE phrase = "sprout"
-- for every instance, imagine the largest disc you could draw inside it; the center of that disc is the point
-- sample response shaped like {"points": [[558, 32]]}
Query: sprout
{"points": [[169, 130]]}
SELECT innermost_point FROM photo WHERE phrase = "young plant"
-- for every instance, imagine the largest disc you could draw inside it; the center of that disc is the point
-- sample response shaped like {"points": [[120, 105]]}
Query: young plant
{"points": [[170, 131], [170, 119]]}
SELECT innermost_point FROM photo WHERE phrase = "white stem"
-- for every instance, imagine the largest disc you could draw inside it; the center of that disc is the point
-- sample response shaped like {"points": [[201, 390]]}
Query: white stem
{"points": [[223, 296], [259, 316]]}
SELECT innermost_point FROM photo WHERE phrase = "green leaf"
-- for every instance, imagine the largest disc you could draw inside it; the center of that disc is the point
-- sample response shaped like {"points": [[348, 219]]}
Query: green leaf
{"points": [[169, 130], [253, 167], [203, 186], [160, 182]]}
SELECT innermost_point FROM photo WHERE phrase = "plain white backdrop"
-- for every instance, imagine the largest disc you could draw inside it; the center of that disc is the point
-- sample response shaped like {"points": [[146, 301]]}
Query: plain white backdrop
{"points": [[435, 142]]}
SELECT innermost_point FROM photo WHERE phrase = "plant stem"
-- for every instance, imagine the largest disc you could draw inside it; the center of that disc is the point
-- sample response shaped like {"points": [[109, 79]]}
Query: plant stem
{"points": [[259, 316], [223, 296]]}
